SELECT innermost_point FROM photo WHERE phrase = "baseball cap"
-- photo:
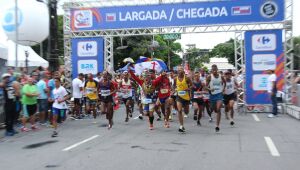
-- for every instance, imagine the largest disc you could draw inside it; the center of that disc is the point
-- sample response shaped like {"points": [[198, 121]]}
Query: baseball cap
{"points": [[5, 75]]}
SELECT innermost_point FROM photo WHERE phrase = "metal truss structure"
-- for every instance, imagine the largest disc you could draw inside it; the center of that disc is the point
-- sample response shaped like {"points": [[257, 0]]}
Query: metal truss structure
{"points": [[239, 29], [240, 64]]}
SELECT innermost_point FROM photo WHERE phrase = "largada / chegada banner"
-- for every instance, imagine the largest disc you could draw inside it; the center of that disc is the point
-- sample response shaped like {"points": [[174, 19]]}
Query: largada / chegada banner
{"points": [[177, 14]]}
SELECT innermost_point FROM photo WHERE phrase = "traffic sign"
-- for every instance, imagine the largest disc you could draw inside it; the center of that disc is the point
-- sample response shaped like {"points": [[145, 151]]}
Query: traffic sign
{"points": [[174, 36]]}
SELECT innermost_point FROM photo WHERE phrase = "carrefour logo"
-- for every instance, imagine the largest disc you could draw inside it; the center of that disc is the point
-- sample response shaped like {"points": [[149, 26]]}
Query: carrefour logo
{"points": [[83, 19], [9, 20], [87, 49], [264, 42]]}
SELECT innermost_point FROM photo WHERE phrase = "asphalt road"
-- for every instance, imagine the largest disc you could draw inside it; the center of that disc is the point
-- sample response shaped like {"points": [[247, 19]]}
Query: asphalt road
{"points": [[256, 142]]}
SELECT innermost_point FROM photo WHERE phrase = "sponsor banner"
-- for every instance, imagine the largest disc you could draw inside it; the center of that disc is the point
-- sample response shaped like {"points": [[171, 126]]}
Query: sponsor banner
{"points": [[177, 14], [87, 55], [263, 51]]}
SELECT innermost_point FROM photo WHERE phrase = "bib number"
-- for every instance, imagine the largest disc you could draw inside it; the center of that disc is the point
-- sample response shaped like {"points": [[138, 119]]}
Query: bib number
{"points": [[205, 96], [164, 91], [197, 95], [105, 93], [147, 101], [181, 93]]}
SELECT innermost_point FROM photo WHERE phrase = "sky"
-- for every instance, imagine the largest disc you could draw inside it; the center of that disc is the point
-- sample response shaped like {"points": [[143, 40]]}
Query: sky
{"points": [[202, 40]]}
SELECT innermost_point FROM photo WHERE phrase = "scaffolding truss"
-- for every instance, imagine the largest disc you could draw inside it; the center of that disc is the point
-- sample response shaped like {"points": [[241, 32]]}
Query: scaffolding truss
{"points": [[239, 29]]}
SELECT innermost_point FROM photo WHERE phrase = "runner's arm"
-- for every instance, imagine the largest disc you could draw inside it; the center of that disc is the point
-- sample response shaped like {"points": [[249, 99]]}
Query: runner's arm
{"points": [[224, 83], [208, 79], [135, 78]]}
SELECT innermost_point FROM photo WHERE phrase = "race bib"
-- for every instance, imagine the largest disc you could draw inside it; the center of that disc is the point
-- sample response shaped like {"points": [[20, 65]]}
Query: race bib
{"points": [[181, 93], [164, 91], [105, 92], [197, 94], [89, 90], [127, 93], [147, 101], [205, 96]]}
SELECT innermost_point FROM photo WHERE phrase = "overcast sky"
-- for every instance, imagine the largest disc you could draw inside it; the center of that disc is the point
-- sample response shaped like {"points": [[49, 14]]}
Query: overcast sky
{"points": [[202, 40]]}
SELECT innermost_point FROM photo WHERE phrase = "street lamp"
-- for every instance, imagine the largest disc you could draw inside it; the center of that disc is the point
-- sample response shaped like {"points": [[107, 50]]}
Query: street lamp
{"points": [[26, 60]]}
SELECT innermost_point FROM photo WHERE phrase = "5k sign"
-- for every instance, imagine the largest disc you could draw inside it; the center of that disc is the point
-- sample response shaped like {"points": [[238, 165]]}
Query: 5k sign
{"points": [[264, 51], [178, 14], [87, 55]]}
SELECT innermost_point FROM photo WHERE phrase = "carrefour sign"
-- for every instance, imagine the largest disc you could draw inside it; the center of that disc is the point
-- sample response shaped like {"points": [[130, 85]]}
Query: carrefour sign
{"points": [[178, 14]]}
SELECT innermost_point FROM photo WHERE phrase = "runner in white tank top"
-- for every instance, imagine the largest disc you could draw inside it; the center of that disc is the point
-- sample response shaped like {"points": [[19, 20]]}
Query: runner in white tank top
{"points": [[216, 85], [230, 96]]}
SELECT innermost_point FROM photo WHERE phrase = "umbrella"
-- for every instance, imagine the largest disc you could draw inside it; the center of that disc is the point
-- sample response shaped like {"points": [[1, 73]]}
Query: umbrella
{"points": [[150, 63]]}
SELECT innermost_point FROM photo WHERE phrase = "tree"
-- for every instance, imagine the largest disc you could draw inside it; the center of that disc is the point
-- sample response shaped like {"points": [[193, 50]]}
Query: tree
{"points": [[140, 46], [297, 53], [225, 50]]}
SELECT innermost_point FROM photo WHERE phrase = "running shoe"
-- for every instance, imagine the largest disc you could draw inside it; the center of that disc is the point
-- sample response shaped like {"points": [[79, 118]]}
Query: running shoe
{"points": [[9, 133], [210, 119], [181, 129], [217, 129], [186, 116], [158, 119], [73, 118], [54, 134], [34, 127], [232, 123], [271, 116], [195, 117], [198, 123], [24, 129], [109, 126], [126, 119], [141, 116], [151, 127], [15, 132], [170, 117]]}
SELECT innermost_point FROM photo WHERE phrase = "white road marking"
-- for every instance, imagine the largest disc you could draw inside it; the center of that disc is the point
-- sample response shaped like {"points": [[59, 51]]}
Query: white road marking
{"points": [[255, 117], [79, 143], [271, 146]]}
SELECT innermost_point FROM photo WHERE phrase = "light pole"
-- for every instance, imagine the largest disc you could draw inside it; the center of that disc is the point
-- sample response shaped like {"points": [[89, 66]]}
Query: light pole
{"points": [[26, 60], [17, 32]]}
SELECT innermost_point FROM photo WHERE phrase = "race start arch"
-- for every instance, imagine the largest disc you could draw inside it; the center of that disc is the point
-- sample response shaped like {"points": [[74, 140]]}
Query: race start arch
{"points": [[113, 18]]}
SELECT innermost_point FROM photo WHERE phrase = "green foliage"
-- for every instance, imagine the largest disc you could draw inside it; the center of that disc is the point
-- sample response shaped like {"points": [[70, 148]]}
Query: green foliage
{"points": [[139, 46], [297, 53], [224, 50]]}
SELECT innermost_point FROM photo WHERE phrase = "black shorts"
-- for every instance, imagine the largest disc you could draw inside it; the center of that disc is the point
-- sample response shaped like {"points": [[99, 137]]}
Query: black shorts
{"points": [[29, 110], [173, 97], [77, 101], [126, 99], [182, 101], [198, 101], [106, 99], [229, 97]]}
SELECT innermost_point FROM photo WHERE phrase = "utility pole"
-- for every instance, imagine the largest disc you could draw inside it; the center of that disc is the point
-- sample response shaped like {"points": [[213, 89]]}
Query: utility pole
{"points": [[53, 36]]}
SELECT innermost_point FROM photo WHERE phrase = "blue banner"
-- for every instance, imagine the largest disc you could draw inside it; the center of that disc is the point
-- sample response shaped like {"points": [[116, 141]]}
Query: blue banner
{"points": [[178, 14], [264, 51], [87, 55]]}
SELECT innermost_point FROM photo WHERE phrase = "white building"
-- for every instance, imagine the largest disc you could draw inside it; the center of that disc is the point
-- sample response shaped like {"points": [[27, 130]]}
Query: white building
{"points": [[222, 64]]}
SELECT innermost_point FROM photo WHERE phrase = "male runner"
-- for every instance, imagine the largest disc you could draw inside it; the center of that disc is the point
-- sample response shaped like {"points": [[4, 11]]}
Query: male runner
{"points": [[107, 89], [230, 96], [216, 85], [164, 101], [197, 97], [148, 100], [126, 90], [183, 86], [91, 95]]}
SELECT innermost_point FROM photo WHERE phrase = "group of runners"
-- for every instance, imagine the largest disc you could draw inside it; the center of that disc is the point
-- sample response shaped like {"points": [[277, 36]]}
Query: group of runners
{"points": [[157, 95]]}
